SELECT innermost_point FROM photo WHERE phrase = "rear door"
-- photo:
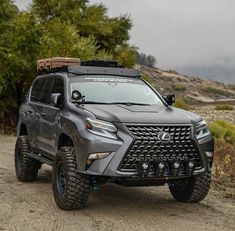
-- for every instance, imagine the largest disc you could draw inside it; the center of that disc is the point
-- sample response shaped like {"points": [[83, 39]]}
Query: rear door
{"points": [[50, 120]]}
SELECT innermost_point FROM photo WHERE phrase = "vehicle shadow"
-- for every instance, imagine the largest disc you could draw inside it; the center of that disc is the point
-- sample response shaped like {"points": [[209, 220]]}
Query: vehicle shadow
{"points": [[111, 198], [135, 197]]}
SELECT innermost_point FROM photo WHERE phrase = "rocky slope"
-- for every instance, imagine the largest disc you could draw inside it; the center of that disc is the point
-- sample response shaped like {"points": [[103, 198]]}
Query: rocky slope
{"points": [[194, 89]]}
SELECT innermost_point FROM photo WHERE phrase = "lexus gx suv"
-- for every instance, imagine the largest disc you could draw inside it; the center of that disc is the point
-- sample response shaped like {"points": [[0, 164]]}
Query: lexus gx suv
{"points": [[98, 122]]}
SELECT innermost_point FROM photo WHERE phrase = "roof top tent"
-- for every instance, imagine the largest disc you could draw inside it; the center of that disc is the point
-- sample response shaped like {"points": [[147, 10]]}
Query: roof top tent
{"points": [[56, 62], [92, 67]]}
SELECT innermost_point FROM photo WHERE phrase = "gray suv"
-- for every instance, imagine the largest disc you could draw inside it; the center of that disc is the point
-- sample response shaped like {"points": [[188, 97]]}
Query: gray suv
{"points": [[99, 122]]}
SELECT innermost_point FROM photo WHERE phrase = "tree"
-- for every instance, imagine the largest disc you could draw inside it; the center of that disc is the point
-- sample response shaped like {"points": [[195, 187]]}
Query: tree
{"points": [[147, 60], [18, 61], [125, 55], [89, 20], [72, 10], [151, 60], [54, 28]]}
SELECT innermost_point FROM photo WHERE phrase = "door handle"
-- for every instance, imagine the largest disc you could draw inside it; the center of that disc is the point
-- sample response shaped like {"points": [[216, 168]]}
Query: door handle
{"points": [[37, 116], [43, 114]]}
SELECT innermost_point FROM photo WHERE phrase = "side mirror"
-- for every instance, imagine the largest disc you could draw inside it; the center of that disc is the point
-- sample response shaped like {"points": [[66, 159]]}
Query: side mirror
{"points": [[56, 99], [170, 99], [76, 95]]}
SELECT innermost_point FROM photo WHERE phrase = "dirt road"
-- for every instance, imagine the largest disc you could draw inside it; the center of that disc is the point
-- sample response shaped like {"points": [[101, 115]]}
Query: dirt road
{"points": [[30, 206]]}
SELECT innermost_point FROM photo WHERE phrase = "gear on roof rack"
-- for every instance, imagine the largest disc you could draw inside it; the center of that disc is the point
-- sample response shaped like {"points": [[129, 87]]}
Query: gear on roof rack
{"points": [[56, 62]]}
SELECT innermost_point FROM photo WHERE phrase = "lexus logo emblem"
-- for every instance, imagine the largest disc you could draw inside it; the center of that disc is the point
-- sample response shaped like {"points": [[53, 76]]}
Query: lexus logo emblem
{"points": [[164, 136]]}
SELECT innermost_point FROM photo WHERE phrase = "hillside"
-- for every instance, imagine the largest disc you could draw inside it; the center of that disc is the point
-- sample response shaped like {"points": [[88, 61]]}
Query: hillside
{"points": [[219, 73], [195, 90]]}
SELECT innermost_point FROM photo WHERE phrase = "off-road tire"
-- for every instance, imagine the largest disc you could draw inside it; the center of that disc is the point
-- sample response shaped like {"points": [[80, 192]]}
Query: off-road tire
{"points": [[26, 168], [191, 190], [76, 185]]}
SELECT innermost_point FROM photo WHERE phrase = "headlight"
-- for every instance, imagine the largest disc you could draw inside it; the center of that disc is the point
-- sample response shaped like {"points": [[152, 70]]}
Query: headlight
{"points": [[101, 128], [202, 130]]}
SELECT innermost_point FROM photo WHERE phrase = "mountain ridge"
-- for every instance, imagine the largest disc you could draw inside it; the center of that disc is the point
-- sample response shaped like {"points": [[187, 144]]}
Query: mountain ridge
{"points": [[218, 73]]}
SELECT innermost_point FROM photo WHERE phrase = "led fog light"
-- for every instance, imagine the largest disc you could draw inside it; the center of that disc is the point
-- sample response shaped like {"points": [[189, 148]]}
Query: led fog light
{"points": [[97, 156]]}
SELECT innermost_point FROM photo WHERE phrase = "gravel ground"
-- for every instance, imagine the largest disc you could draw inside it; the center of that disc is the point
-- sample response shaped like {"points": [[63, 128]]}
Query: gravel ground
{"points": [[30, 206], [209, 113]]}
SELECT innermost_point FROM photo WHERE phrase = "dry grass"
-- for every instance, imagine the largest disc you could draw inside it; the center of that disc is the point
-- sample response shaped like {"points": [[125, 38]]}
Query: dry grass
{"points": [[224, 107], [216, 91], [224, 167]]}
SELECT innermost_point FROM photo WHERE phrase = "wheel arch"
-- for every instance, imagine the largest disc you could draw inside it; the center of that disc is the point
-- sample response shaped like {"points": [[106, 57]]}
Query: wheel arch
{"points": [[64, 140], [23, 130]]}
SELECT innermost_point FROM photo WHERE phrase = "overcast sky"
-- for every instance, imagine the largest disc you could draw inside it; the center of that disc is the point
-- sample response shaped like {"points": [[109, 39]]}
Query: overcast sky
{"points": [[179, 32]]}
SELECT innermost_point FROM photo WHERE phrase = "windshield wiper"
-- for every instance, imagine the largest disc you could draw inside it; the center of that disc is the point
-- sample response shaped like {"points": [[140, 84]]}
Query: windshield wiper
{"points": [[131, 103], [92, 102], [123, 103]]}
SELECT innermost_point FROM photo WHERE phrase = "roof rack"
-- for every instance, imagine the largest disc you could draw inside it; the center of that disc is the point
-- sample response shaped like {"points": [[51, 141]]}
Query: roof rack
{"points": [[92, 67], [101, 63]]}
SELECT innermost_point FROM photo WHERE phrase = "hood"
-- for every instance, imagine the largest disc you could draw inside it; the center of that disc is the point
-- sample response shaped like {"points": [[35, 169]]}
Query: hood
{"points": [[142, 114]]}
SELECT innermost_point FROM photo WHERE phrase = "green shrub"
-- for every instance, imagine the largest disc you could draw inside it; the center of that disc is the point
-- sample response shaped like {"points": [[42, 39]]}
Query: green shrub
{"points": [[215, 91], [232, 87], [224, 158], [223, 131], [147, 78], [225, 107], [179, 87], [181, 102]]}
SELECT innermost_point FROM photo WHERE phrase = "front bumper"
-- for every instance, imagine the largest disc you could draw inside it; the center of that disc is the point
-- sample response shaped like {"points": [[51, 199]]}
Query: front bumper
{"points": [[110, 166]]}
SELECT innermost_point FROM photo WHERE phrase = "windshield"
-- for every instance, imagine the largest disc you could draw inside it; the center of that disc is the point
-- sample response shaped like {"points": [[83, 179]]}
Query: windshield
{"points": [[111, 89]]}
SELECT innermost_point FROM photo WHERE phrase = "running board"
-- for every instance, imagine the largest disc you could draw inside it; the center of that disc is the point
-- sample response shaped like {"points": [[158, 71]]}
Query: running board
{"points": [[41, 158]]}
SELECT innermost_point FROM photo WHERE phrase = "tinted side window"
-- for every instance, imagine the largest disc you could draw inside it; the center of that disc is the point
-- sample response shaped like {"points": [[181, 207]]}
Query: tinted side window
{"points": [[36, 90], [45, 90], [58, 86]]}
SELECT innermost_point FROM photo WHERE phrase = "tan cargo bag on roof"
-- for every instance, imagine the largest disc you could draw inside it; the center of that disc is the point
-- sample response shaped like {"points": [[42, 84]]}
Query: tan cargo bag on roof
{"points": [[48, 64]]}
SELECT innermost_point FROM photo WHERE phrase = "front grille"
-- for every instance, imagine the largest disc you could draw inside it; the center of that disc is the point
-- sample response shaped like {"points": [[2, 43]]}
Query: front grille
{"points": [[148, 148]]}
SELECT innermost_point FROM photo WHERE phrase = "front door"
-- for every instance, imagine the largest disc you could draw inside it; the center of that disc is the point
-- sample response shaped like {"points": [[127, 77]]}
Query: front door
{"points": [[44, 101], [33, 113], [50, 119]]}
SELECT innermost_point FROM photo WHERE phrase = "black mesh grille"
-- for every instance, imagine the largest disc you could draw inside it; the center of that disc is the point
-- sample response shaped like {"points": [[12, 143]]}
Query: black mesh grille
{"points": [[148, 147]]}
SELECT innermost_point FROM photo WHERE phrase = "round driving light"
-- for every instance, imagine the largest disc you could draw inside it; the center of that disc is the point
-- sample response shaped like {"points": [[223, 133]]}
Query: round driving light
{"points": [[161, 165], [191, 164], [176, 165], [145, 166]]}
